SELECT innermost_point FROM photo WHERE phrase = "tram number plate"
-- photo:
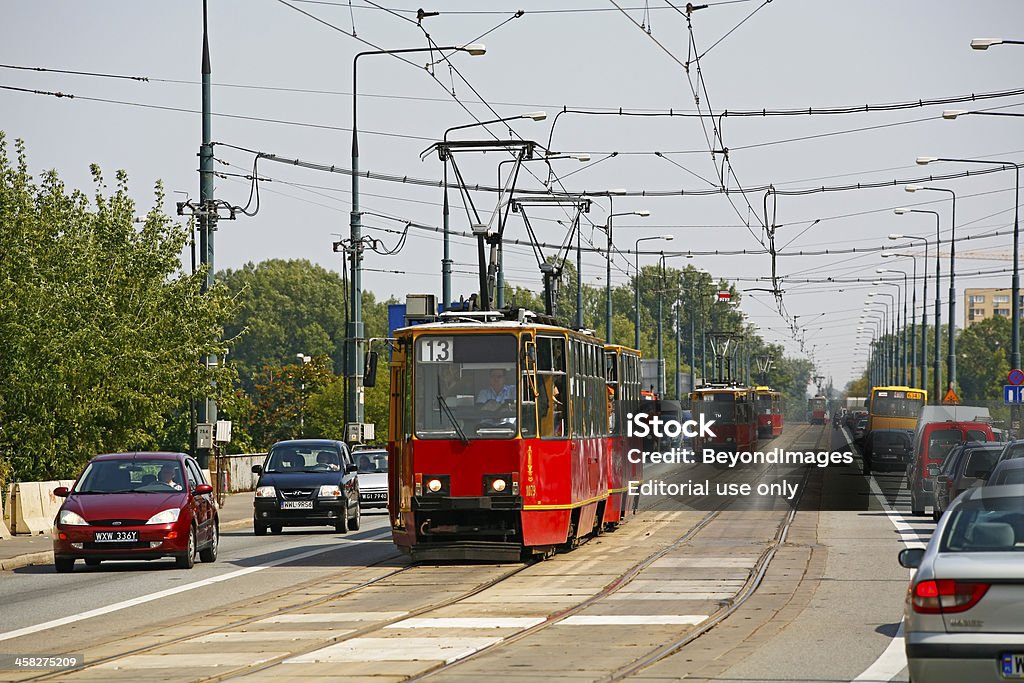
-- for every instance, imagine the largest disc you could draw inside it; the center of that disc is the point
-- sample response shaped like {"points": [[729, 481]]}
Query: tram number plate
{"points": [[437, 349], [1012, 666], [296, 505], [116, 537]]}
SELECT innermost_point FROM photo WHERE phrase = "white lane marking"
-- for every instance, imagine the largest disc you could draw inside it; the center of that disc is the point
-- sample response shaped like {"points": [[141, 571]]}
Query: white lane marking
{"points": [[468, 622], [894, 658], [261, 636], [396, 649], [141, 600], [329, 617], [632, 619], [189, 660]]}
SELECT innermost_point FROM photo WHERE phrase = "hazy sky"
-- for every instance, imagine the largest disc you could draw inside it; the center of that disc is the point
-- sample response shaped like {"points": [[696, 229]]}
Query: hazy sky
{"points": [[284, 83]]}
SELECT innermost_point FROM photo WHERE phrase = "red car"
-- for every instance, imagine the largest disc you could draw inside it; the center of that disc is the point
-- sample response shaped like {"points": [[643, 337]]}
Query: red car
{"points": [[137, 506]]}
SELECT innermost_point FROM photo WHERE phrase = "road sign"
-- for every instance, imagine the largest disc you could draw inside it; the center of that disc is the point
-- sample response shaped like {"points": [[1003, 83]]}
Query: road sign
{"points": [[1013, 394], [951, 398], [1016, 377], [724, 295]]}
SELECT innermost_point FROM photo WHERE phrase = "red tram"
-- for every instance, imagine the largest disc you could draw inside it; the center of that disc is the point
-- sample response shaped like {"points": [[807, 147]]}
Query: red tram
{"points": [[769, 412], [732, 409], [500, 436], [816, 410], [622, 373]]}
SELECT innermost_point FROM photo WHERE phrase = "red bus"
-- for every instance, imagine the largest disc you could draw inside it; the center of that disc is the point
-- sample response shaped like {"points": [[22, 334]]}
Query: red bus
{"points": [[816, 410], [500, 436], [732, 409], [769, 412]]}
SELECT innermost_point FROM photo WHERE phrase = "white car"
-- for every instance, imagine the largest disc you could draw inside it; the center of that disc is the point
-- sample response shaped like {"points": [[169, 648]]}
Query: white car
{"points": [[963, 616], [373, 477]]}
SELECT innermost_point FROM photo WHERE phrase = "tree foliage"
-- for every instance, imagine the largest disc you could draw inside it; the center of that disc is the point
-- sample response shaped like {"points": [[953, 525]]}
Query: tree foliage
{"points": [[102, 332]]}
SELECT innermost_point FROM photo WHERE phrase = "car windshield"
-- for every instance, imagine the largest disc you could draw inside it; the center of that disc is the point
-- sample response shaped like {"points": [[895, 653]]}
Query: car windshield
{"points": [[986, 524], [891, 439], [293, 458], [372, 462], [131, 476]]}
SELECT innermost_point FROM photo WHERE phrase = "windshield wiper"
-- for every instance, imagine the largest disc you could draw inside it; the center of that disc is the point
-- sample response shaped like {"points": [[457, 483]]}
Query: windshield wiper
{"points": [[451, 417]]}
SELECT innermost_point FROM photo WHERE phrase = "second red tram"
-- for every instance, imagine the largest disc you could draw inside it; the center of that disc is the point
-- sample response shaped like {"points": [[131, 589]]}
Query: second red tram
{"points": [[769, 412], [623, 380], [732, 409], [816, 410], [501, 440]]}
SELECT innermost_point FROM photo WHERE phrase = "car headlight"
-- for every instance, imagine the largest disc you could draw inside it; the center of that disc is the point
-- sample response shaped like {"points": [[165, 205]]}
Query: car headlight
{"points": [[329, 491], [71, 518], [265, 492], [166, 517]]}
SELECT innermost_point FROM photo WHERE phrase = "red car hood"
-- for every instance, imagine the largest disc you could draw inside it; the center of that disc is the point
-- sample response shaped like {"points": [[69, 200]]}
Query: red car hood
{"points": [[93, 506]]}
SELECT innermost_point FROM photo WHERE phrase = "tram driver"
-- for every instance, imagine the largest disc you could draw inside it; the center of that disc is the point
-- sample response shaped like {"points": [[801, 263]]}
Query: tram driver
{"points": [[497, 393]]}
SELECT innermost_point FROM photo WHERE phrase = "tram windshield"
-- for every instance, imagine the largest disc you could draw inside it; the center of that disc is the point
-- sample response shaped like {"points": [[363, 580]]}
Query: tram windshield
{"points": [[721, 407], [466, 386]]}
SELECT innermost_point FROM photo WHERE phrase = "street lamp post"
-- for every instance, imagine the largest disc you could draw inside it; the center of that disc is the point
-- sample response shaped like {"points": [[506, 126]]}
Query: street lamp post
{"points": [[353, 399], [936, 372], [901, 340], [913, 312], [636, 287], [302, 391], [951, 329], [888, 325], [1015, 282], [643, 213]]}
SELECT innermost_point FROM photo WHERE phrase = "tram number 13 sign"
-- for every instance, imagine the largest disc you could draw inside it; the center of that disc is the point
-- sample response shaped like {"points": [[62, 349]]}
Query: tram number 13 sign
{"points": [[436, 350]]}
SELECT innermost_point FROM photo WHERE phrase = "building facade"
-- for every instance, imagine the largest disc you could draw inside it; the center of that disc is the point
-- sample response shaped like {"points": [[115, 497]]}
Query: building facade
{"points": [[981, 303]]}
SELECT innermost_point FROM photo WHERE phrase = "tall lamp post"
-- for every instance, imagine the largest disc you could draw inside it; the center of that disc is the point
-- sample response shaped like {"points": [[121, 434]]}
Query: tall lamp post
{"points": [[900, 339], [1015, 282], [302, 391], [951, 329], [353, 399], [636, 287], [879, 339], [913, 311], [890, 351], [936, 371], [643, 213]]}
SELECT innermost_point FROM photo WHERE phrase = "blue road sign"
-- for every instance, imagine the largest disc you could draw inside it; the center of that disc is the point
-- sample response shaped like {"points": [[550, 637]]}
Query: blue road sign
{"points": [[1013, 394], [1016, 377]]}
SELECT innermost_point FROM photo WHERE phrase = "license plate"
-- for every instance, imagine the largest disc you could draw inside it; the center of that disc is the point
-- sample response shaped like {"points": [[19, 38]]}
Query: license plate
{"points": [[375, 496], [296, 505], [1013, 666], [116, 537]]}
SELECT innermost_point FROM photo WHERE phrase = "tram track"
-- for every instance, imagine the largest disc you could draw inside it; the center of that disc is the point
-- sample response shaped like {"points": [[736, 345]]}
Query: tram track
{"points": [[753, 582]]}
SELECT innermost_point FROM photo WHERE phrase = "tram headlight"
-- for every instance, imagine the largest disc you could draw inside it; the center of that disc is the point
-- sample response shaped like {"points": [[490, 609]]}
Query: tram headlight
{"points": [[498, 485], [501, 485], [434, 485]]}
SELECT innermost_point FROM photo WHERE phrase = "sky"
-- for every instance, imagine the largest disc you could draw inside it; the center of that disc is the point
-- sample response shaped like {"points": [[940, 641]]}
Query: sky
{"points": [[283, 69]]}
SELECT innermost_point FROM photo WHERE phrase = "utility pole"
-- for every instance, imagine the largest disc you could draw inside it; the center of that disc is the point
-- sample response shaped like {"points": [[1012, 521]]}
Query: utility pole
{"points": [[207, 226]]}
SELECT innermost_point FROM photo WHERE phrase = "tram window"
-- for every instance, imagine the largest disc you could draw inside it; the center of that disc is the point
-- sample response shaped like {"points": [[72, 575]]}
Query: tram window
{"points": [[528, 390], [553, 395]]}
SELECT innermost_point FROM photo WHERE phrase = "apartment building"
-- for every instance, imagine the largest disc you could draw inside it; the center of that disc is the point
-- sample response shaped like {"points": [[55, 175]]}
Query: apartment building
{"points": [[981, 303]]}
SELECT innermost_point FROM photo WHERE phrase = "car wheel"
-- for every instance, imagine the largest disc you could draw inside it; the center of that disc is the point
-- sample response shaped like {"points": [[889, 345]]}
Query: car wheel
{"points": [[915, 507], [92, 562], [209, 554], [341, 523], [188, 560], [63, 565], [259, 529], [353, 522], [276, 528]]}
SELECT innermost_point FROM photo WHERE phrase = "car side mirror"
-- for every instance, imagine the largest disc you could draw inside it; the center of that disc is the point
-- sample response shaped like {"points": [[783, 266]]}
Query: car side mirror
{"points": [[370, 370], [61, 492], [910, 558], [352, 468], [933, 470], [257, 469], [203, 489]]}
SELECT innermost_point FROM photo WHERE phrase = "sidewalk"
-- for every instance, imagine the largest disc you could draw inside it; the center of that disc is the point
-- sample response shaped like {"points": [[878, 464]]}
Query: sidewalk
{"points": [[21, 551]]}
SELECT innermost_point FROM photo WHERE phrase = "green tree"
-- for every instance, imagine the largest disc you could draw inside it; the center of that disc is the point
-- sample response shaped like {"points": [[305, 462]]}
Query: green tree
{"points": [[982, 362], [102, 332]]}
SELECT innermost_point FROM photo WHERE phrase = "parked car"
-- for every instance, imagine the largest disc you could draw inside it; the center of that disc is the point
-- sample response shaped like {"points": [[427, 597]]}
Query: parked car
{"points": [[853, 416], [887, 449], [939, 429], [1007, 472], [373, 477], [964, 604], [1012, 450], [306, 482], [136, 506], [965, 466]]}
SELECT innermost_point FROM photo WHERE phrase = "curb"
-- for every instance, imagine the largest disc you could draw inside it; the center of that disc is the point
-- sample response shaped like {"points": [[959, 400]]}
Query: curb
{"points": [[46, 557]]}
